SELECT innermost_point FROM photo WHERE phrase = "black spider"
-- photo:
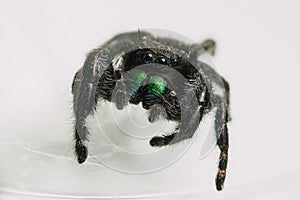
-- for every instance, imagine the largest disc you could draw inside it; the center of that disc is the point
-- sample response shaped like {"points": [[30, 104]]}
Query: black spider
{"points": [[162, 74]]}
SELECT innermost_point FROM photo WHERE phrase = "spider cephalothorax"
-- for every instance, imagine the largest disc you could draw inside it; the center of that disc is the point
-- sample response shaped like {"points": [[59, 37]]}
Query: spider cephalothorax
{"points": [[162, 74]]}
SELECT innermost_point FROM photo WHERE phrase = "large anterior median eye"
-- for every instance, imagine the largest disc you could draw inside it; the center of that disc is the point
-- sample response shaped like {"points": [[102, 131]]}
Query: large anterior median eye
{"points": [[161, 60], [147, 57]]}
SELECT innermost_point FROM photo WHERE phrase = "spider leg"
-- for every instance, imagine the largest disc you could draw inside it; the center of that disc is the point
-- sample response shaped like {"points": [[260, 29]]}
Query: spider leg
{"points": [[221, 120], [207, 45], [184, 130], [84, 104], [192, 112], [85, 96]]}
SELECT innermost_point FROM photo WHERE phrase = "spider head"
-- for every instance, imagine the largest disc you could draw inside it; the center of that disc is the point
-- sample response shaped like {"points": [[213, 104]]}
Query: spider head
{"points": [[151, 77]]}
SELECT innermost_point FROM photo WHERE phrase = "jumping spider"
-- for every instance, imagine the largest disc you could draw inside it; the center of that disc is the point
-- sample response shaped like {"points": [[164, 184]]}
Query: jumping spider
{"points": [[162, 74]]}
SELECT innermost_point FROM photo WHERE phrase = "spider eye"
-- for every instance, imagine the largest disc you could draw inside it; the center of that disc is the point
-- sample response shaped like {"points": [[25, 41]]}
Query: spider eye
{"points": [[147, 57], [161, 60], [174, 60]]}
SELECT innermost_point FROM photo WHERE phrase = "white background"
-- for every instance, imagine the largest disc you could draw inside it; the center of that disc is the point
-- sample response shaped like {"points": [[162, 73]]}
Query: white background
{"points": [[43, 43]]}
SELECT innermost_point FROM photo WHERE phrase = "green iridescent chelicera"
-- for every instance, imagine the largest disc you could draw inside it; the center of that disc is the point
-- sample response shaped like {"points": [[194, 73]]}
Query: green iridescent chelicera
{"points": [[157, 85], [137, 78]]}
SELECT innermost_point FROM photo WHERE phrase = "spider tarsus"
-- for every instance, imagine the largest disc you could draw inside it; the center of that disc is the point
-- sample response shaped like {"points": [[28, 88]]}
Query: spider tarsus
{"points": [[81, 151], [151, 119], [220, 178], [159, 141], [210, 46]]}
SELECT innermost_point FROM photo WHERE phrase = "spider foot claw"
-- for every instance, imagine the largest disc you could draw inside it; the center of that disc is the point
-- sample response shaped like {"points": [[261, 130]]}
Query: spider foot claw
{"points": [[159, 141], [81, 151], [151, 119], [220, 179]]}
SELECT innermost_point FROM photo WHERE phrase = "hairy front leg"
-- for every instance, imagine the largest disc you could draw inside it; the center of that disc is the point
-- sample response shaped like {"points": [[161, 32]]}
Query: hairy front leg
{"points": [[83, 106], [207, 45], [85, 96]]}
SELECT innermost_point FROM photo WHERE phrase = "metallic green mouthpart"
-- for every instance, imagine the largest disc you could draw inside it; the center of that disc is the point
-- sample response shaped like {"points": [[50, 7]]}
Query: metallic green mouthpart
{"points": [[137, 78], [157, 85]]}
